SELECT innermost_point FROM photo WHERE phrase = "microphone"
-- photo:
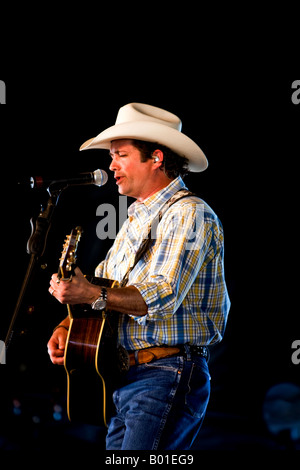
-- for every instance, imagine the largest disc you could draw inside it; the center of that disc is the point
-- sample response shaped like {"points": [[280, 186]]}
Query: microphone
{"points": [[97, 177]]}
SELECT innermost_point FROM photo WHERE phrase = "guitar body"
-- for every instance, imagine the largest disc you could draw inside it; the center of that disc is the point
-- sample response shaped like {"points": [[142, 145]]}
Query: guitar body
{"points": [[84, 380], [91, 362]]}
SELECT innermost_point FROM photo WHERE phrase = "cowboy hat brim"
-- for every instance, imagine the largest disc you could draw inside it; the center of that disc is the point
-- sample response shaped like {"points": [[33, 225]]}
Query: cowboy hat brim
{"points": [[152, 132]]}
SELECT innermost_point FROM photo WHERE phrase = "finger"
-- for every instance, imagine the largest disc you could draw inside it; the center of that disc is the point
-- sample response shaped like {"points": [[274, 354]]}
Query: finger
{"points": [[52, 344], [78, 271], [54, 281], [56, 355], [51, 291], [60, 361], [58, 339], [61, 287], [56, 359], [62, 342]]}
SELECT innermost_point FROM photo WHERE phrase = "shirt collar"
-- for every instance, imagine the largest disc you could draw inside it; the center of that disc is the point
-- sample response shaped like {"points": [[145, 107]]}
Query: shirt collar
{"points": [[152, 205]]}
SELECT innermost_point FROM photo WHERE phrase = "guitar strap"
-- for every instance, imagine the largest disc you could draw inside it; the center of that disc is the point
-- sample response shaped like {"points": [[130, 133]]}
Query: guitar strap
{"points": [[182, 193], [122, 354]]}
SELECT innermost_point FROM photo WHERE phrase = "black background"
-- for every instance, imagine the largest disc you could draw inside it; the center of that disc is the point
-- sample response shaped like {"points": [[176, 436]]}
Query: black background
{"points": [[248, 127]]}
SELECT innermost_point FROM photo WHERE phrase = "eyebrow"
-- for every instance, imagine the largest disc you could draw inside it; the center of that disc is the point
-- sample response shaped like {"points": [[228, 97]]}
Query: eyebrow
{"points": [[116, 152]]}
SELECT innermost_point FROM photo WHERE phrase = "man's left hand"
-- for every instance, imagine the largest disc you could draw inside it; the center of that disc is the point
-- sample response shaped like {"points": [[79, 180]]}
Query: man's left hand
{"points": [[76, 291]]}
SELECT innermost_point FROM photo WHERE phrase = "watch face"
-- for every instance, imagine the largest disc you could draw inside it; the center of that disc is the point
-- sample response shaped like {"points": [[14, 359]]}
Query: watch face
{"points": [[99, 304]]}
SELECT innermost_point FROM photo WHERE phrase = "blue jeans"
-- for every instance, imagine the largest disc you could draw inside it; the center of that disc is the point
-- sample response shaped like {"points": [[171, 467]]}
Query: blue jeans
{"points": [[160, 405]]}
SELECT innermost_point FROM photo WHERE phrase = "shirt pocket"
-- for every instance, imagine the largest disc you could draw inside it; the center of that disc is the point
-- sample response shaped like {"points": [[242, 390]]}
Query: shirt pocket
{"points": [[121, 262]]}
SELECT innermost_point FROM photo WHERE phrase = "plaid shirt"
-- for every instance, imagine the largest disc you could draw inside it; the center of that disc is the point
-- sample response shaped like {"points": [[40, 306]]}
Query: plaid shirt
{"points": [[180, 277]]}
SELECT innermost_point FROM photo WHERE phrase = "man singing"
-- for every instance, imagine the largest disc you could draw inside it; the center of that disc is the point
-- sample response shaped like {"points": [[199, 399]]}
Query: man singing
{"points": [[175, 302]]}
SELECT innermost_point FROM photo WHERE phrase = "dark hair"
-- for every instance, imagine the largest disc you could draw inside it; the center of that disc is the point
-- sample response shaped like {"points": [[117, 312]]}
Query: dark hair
{"points": [[173, 164]]}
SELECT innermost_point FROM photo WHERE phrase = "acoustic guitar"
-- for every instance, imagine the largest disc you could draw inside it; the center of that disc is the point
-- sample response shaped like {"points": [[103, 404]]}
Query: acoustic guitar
{"points": [[93, 361]]}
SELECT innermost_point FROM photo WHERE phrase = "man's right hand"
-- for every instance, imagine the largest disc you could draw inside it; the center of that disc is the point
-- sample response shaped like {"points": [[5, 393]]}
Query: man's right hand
{"points": [[56, 346]]}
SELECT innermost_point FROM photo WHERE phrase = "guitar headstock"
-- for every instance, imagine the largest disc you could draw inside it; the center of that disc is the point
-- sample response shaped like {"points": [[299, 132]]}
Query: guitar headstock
{"points": [[68, 258]]}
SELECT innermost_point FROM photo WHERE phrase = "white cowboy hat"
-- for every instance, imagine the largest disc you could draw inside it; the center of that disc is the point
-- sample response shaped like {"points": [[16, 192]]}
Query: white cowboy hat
{"points": [[151, 124]]}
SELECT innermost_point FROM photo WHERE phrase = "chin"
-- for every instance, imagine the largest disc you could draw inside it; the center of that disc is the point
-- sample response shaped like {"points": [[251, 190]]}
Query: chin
{"points": [[121, 191], [126, 190]]}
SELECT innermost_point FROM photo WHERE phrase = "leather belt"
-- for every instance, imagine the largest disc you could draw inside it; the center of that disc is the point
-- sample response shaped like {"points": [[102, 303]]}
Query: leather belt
{"points": [[143, 356]]}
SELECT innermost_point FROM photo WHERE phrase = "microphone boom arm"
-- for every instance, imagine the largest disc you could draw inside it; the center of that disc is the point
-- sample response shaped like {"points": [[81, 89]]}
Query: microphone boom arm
{"points": [[36, 246]]}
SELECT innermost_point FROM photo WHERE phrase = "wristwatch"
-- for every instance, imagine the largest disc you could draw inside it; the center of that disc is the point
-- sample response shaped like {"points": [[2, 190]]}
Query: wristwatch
{"points": [[100, 303]]}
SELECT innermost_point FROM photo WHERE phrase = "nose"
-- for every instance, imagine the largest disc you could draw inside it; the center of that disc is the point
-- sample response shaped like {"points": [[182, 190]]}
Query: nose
{"points": [[114, 165]]}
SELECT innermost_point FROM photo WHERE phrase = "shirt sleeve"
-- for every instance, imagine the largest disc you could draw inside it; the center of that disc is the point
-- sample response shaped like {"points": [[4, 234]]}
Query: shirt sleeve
{"points": [[182, 246]]}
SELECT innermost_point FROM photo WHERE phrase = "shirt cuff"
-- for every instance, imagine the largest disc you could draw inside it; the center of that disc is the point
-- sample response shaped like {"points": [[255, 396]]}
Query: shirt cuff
{"points": [[160, 300]]}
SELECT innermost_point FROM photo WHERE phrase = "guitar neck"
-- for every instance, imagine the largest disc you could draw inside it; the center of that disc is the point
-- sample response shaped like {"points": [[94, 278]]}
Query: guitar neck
{"points": [[101, 281]]}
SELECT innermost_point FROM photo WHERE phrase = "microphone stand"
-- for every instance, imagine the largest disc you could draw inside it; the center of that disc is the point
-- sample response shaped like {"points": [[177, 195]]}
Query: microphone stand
{"points": [[36, 246]]}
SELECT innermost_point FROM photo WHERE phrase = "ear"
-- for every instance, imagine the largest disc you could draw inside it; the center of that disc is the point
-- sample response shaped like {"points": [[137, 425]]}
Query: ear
{"points": [[157, 156]]}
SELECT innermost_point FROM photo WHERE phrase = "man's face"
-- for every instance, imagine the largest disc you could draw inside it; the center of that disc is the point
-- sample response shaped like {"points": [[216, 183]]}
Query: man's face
{"points": [[133, 177]]}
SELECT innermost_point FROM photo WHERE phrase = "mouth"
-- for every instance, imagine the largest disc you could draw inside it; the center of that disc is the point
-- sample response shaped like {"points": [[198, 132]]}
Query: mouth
{"points": [[118, 179]]}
